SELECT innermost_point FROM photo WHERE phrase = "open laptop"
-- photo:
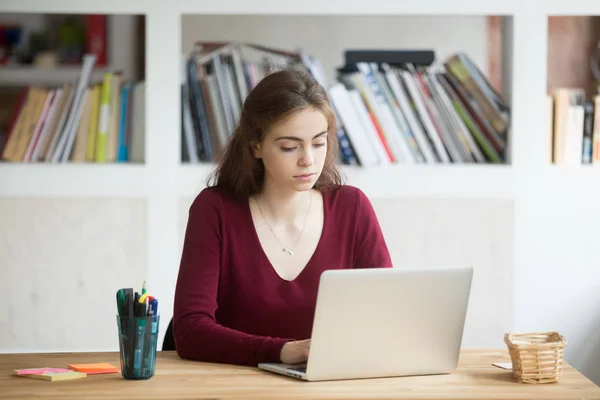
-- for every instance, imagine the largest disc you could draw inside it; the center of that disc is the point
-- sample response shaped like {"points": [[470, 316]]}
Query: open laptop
{"points": [[387, 322]]}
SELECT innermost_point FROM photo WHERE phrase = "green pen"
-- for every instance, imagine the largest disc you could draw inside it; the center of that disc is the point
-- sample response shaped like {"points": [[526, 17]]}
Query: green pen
{"points": [[121, 302]]}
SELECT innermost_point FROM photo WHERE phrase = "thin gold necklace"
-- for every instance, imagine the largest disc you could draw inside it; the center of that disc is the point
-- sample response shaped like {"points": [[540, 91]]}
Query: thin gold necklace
{"points": [[289, 251]]}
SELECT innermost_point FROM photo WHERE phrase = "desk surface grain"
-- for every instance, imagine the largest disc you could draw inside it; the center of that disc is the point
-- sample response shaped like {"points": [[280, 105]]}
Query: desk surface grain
{"points": [[475, 378]]}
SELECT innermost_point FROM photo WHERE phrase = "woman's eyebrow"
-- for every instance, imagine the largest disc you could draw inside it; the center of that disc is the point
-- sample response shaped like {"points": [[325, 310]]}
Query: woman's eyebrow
{"points": [[299, 139]]}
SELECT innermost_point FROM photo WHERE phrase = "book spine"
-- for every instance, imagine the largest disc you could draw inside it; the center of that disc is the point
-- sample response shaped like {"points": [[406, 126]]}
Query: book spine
{"points": [[103, 119], [588, 130]]}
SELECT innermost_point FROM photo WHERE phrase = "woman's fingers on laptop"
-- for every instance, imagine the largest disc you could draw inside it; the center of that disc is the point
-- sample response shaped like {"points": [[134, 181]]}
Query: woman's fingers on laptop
{"points": [[295, 352]]}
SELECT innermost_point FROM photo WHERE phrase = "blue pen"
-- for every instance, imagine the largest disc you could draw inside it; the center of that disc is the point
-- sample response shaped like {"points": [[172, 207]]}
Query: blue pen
{"points": [[154, 306]]}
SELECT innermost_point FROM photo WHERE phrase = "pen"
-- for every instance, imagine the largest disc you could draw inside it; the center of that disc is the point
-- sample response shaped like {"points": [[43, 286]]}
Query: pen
{"points": [[154, 306], [121, 310], [153, 331], [136, 300], [139, 337], [129, 302], [146, 346], [130, 326], [121, 302]]}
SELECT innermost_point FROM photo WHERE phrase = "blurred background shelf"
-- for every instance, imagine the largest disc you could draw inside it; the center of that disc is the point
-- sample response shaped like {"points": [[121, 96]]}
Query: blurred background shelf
{"points": [[59, 74], [74, 180], [578, 183], [434, 182], [401, 181], [376, 7], [32, 75], [76, 7]]}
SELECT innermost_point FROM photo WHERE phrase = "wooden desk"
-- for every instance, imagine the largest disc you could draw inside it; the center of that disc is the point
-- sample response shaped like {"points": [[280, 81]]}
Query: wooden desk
{"points": [[476, 378]]}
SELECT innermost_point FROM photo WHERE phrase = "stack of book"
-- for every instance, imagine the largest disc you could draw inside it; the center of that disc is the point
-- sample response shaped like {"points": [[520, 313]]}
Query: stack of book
{"points": [[215, 81], [392, 107], [574, 127], [83, 121]]}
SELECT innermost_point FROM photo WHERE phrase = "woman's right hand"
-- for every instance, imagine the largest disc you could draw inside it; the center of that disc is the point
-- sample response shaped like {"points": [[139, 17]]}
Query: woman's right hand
{"points": [[295, 352]]}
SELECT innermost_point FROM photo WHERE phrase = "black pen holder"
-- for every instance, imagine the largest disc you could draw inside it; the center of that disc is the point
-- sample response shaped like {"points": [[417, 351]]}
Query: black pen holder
{"points": [[138, 338]]}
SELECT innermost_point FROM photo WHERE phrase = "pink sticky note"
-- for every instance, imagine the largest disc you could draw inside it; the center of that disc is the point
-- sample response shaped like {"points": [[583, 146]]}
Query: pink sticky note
{"points": [[39, 371]]}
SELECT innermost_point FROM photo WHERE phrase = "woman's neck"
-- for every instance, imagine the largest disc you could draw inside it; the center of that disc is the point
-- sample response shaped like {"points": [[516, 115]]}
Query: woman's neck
{"points": [[283, 204]]}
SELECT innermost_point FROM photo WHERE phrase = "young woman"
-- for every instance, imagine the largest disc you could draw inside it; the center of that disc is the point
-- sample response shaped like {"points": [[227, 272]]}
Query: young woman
{"points": [[274, 216]]}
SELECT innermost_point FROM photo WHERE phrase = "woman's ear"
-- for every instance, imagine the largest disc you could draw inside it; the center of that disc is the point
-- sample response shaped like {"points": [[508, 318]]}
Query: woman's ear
{"points": [[256, 149]]}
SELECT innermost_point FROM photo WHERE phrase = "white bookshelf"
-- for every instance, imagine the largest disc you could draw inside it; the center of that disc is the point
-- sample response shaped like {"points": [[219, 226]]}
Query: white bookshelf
{"points": [[536, 193], [30, 75], [273, 7], [311, 7], [136, 180], [57, 180], [163, 26], [420, 181]]}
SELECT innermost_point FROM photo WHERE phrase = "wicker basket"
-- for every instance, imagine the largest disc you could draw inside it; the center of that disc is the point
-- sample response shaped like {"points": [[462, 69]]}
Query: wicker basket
{"points": [[536, 357]]}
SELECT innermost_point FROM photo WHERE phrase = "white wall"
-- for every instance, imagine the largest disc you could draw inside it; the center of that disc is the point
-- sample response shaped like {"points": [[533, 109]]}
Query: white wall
{"points": [[558, 286], [60, 261], [556, 272]]}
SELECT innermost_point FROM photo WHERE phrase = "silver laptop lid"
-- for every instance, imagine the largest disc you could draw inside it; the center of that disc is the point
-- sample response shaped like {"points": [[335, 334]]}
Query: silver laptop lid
{"points": [[388, 322]]}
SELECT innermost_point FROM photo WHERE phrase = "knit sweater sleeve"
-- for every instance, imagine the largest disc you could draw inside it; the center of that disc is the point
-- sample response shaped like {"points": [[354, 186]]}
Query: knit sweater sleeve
{"points": [[198, 336]]}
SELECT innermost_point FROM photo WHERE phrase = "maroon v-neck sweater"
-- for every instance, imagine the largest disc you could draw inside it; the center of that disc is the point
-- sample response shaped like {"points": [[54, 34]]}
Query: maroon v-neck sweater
{"points": [[230, 304]]}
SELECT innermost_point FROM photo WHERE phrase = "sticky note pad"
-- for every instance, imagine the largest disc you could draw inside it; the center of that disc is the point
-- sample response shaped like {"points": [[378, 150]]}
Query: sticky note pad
{"points": [[50, 374], [38, 371], [94, 368]]}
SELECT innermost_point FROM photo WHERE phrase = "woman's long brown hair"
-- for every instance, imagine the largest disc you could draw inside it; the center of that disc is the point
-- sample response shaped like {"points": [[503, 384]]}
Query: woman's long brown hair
{"points": [[273, 99]]}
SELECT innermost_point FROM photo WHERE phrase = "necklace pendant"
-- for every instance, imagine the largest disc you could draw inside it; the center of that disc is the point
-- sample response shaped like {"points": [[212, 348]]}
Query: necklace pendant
{"points": [[291, 252]]}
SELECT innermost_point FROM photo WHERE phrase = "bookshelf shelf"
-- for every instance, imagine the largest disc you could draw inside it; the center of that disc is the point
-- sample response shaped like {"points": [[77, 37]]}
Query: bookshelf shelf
{"points": [[425, 181], [376, 7], [78, 7], [564, 181], [314, 7], [309, 7], [74, 180], [575, 7], [31, 75], [136, 180]]}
